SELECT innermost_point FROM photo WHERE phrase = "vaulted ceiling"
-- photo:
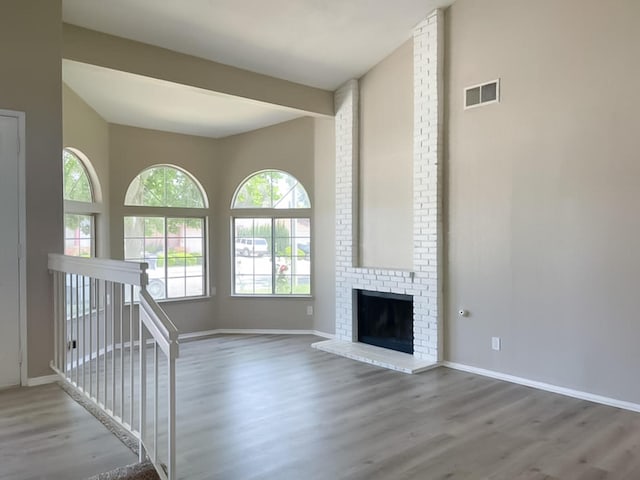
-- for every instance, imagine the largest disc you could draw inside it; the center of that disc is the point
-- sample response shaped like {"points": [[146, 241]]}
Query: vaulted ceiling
{"points": [[320, 43]]}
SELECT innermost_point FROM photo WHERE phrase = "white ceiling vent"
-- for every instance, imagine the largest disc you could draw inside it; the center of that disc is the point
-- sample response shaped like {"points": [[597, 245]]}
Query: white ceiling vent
{"points": [[483, 94]]}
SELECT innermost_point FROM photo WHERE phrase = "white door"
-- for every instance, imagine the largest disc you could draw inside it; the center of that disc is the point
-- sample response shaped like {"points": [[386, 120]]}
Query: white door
{"points": [[9, 241]]}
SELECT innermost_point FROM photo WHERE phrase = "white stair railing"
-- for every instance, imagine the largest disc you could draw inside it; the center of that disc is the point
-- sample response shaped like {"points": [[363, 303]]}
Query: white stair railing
{"points": [[115, 345]]}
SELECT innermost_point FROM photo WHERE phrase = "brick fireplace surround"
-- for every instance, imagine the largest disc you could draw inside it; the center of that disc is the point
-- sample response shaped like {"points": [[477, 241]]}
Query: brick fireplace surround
{"points": [[424, 282]]}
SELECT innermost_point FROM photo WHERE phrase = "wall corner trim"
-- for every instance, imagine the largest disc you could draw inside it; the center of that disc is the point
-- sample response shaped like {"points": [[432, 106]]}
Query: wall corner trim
{"points": [[569, 392]]}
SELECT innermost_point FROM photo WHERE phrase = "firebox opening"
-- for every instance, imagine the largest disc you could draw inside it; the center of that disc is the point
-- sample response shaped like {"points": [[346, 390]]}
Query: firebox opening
{"points": [[385, 320]]}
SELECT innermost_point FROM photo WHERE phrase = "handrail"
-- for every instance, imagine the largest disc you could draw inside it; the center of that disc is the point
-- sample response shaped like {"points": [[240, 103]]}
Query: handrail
{"points": [[159, 325], [129, 273], [108, 335]]}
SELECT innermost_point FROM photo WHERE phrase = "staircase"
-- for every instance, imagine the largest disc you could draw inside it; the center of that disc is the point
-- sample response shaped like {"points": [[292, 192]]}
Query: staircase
{"points": [[115, 350]]}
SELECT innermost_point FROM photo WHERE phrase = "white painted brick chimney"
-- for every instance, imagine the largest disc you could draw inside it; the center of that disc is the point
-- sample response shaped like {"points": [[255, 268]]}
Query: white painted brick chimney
{"points": [[424, 283]]}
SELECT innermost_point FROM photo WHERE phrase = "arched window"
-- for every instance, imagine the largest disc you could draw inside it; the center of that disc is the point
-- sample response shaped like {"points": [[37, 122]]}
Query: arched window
{"points": [[171, 239], [165, 186], [271, 189], [271, 236], [80, 206]]}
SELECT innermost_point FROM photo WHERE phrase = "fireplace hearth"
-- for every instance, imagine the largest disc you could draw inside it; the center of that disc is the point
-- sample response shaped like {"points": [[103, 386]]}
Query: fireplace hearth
{"points": [[385, 320]]}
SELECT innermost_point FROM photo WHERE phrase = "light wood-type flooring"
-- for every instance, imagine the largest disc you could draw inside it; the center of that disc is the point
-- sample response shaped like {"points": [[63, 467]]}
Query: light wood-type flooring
{"points": [[271, 407], [44, 434]]}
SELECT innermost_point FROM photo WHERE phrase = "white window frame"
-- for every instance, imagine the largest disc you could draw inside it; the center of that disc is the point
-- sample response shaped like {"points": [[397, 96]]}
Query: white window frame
{"points": [[273, 214], [277, 214], [90, 209], [171, 213], [175, 212]]}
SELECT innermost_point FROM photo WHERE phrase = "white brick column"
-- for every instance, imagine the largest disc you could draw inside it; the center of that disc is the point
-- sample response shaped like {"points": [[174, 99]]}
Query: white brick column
{"points": [[424, 283], [346, 124], [428, 51]]}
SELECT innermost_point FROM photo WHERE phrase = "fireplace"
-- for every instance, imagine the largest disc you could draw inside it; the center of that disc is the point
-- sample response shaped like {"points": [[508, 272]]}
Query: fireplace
{"points": [[423, 282], [385, 320]]}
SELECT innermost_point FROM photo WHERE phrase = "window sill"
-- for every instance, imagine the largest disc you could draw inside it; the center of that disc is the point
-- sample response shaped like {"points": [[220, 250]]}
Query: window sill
{"points": [[184, 299], [279, 297]]}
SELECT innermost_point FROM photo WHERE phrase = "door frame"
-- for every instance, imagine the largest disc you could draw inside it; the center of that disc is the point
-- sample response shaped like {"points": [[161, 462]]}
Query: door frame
{"points": [[22, 242]]}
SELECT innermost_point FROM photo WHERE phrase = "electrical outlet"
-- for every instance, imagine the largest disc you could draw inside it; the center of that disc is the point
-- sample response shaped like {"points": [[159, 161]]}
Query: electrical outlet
{"points": [[495, 343], [309, 309]]}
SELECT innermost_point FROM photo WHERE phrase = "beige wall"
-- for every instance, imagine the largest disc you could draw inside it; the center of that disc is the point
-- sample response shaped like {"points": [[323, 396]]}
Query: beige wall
{"points": [[133, 149], [542, 191], [287, 146], [324, 226], [220, 165], [386, 162], [83, 129], [30, 46]]}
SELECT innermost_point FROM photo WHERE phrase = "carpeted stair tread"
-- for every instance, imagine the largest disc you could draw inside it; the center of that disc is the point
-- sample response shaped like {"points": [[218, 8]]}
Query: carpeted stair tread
{"points": [[138, 471]]}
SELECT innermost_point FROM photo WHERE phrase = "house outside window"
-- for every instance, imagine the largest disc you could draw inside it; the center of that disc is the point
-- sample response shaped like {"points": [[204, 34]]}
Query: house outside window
{"points": [[166, 228], [271, 236]]}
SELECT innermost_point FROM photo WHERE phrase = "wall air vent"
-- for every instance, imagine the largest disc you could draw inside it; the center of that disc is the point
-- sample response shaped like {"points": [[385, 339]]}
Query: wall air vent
{"points": [[483, 94]]}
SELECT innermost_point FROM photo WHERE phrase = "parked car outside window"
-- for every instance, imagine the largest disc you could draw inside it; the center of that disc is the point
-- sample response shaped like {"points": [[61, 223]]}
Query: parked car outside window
{"points": [[257, 247]]}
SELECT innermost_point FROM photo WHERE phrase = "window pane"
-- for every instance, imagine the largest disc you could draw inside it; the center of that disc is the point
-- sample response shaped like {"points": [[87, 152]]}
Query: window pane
{"points": [[302, 227], [271, 189], [301, 198], [133, 248], [154, 251], [294, 260], [301, 285], [263, 284], [85, 247], [176, 268], [144, 242], [244, 227], [154, 227], [291, 193], [194, 286], [252, 256], [71, 247], [193, 247], [156, 287], [176, 287], [134, 227], [291, 265], [165, 186], [283, 283], [255, 192], [176, 261], [75, 180], [283, 237], [244, 284], [194, 227], [78, 235]]}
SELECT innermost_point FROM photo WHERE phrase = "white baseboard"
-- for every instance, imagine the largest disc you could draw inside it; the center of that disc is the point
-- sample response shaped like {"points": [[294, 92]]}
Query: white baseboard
{"points": [[35, 381], [569, 392], [197, 335], [251, 331], [318, 333]]}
